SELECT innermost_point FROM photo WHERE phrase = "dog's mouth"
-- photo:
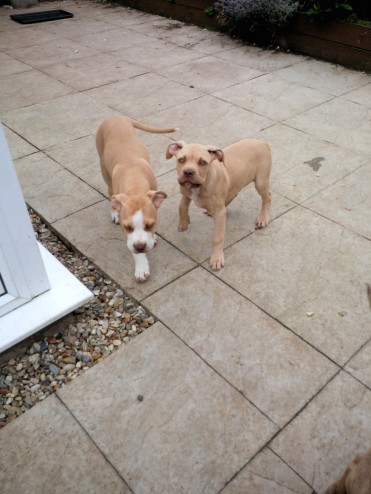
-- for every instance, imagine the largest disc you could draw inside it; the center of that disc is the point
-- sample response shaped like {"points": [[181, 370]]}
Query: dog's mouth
{"points": [[188, 184]]}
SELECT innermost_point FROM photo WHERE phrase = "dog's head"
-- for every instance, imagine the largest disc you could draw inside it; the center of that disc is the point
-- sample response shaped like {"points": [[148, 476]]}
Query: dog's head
{"points": [[193, 161], [138, 218]]}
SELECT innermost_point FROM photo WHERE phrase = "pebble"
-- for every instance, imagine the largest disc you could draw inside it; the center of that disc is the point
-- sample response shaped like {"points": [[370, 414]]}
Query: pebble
{"points": [[109, 321]]}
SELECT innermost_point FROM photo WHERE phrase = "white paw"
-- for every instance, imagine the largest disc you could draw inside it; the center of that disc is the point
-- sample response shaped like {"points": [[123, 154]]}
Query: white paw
{"points": [[141, 267], [141, 276]]}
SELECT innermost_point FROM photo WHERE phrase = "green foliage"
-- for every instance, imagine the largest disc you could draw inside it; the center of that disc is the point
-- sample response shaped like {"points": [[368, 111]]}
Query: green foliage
{"points": [[209, 11], [327, 9]]}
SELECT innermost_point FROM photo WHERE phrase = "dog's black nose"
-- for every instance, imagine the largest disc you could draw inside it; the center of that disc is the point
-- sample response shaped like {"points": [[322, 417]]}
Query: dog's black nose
{"points": [[188, 172], [140, 246]]}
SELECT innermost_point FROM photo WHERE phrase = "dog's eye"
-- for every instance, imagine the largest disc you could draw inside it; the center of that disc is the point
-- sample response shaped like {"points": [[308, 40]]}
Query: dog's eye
{"points": [[148, 226], [129, 228], [181, 160], [203, 162]]}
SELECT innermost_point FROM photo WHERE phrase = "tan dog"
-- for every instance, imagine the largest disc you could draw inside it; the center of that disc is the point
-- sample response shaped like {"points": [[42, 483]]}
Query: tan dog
{"points": [[357, 477], [132, 185], [213, 177]]}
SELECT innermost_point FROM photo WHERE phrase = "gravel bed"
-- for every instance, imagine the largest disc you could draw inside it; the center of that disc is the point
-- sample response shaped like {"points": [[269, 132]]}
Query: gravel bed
{"points": [[57, 356]]}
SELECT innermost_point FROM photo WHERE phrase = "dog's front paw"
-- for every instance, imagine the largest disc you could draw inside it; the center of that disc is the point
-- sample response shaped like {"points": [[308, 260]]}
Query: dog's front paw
{"points": [[141, 268], [217, 261], [261, 221], [141, 276], [183, 226]]}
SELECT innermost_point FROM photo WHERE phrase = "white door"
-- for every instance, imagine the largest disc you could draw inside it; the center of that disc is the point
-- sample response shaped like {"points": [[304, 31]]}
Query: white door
{"points": [[22, 272]]}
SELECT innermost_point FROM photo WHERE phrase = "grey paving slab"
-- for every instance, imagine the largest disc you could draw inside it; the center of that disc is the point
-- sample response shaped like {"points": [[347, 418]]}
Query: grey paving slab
{"points": [[146, 94], [303, 263], [339, 121], [209, 120], [24, 36], [50, 189], [80, 157], [196, 242], [114, 39], [145, 440], [325, 437], [273, 97], [187, 36], [348, 201], [359, 365], [9, 66], [361, 95], [104, 243], [18, 147], [46, 451], [209, 74], [63, 119], [267, 473], [23, 89], [259, 59], [272, 367], [93, 71], [304, 165], [328, 77], [56, 49]]}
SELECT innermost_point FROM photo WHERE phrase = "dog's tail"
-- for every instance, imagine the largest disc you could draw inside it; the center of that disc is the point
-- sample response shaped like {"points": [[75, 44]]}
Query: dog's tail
{"points": [[149, 128]]}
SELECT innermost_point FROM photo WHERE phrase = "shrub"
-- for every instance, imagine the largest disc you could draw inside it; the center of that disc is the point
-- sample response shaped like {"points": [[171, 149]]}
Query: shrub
{"points": [[268, 15]]}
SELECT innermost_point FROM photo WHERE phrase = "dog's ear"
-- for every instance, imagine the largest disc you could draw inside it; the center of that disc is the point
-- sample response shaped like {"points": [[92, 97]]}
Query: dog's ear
{"points": [[216, 152], [173, 148], [157, 197], [118, 201]]}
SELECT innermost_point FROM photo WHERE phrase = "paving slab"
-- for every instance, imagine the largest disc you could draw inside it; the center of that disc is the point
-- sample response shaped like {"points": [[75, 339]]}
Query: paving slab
{"points": [[45, 450], [139, 424], [18, 146], [187, 35], [303, 166], [49, 123], [10, 66], [51, 189], [322, 440], [348, 201], [80, 157], [314, 273], [94, 71], [267, 473], [56, 49], [359, 365], [328, 77], [260, 59], [212, 121], [339, 121], [144, 95], [209, 73], [273, 368], [273, 97], [22, 89], [196, 242]]}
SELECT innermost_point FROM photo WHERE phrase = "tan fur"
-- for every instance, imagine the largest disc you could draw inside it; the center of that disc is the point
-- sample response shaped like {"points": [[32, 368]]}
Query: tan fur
{"points": [[357, 477], [213, 177], [132, 185]]}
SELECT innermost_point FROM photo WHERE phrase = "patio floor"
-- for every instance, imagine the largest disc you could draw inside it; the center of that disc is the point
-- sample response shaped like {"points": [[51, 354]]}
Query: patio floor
{"points": [[257, 378]]}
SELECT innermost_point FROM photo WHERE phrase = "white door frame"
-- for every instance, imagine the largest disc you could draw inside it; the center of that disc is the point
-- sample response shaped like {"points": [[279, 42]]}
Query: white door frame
{"points": [[21, 266]]}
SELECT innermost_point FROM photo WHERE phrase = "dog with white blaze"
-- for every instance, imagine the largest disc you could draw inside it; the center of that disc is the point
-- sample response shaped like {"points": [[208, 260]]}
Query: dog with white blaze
{"points": [[132, 185]]}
